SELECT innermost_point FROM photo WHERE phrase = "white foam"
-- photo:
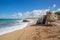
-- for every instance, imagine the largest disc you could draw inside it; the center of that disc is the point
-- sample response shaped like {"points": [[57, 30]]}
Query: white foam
{"points": [[13, 28]]}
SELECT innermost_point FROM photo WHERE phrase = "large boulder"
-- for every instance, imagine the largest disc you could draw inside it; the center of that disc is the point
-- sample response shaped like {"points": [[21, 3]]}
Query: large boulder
{"points": [[49, 17], [41, 20]]}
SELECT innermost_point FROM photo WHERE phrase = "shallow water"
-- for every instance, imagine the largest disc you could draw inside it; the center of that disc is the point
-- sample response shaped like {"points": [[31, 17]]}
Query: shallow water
{"points": [[9, 25]]}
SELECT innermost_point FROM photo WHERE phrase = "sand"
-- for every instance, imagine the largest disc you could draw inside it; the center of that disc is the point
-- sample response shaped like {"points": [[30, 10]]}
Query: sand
{"points": [[34, 32]]}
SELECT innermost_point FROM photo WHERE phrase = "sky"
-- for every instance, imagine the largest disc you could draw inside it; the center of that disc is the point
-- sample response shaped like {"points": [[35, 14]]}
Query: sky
{"points": [[27, 8]]}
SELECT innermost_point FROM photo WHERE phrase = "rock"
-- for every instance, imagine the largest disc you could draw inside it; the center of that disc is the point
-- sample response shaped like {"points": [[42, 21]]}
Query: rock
{"points": [[25, 21], [51, 17], [47, 19]]}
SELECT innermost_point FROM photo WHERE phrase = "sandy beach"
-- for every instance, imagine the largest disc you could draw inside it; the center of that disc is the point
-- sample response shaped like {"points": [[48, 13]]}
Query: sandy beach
{"points": [[34, 32], [29, 19]]}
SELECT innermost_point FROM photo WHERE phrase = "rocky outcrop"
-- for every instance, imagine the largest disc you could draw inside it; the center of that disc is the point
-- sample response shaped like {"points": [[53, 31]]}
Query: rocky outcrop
{"points": [[40, 20], [48, 18], [25, 21]]}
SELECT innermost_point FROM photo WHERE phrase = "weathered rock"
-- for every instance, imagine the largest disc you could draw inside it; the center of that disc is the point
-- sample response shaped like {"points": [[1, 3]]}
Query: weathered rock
{"points": [[48, 18], [25, 21], [51, 17], [41, 20]]}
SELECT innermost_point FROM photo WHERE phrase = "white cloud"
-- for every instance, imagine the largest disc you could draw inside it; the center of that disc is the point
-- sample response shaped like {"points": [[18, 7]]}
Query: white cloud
{"points": [[35, 13], [54, 5], [16, 15], [58, 9], [26, 14], [19, 14], [29, 14]]}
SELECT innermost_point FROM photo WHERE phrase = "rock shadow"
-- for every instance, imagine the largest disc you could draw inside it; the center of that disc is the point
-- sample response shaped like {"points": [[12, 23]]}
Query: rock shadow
{"points": [[40, 25]]}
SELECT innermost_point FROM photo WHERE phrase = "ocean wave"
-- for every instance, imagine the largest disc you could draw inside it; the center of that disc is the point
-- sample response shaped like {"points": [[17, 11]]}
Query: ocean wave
{"points": [[12, 28], [16, 26]]}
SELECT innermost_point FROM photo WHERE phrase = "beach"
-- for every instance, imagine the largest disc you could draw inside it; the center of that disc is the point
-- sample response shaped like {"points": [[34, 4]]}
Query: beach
{"points": [[34, 32], [29, 19]]}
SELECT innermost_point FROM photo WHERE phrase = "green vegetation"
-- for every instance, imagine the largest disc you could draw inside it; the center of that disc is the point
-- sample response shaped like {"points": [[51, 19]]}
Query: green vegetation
{"points": [[58, 13]]}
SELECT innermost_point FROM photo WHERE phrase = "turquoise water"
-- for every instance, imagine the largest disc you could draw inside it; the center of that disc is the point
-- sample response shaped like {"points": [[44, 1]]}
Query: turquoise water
{"points": [[7, 22], [10, 25]]}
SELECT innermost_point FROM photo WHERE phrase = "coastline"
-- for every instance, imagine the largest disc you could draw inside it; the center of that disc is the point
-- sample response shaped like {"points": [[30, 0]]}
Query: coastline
{"points": [[7, 30], [34, 32]]}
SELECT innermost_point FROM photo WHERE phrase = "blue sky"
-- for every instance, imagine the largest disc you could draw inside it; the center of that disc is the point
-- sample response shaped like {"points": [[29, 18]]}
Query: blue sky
{"points": [[10, 7]]}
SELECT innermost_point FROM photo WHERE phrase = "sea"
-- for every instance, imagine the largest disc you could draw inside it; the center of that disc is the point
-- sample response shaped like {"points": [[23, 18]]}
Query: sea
{"points": [[10, 25]]}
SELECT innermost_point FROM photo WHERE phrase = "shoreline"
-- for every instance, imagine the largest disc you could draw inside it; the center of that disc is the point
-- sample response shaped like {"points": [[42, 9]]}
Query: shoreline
{"points": [[34, 32], [14, 29], [18, 27]]}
